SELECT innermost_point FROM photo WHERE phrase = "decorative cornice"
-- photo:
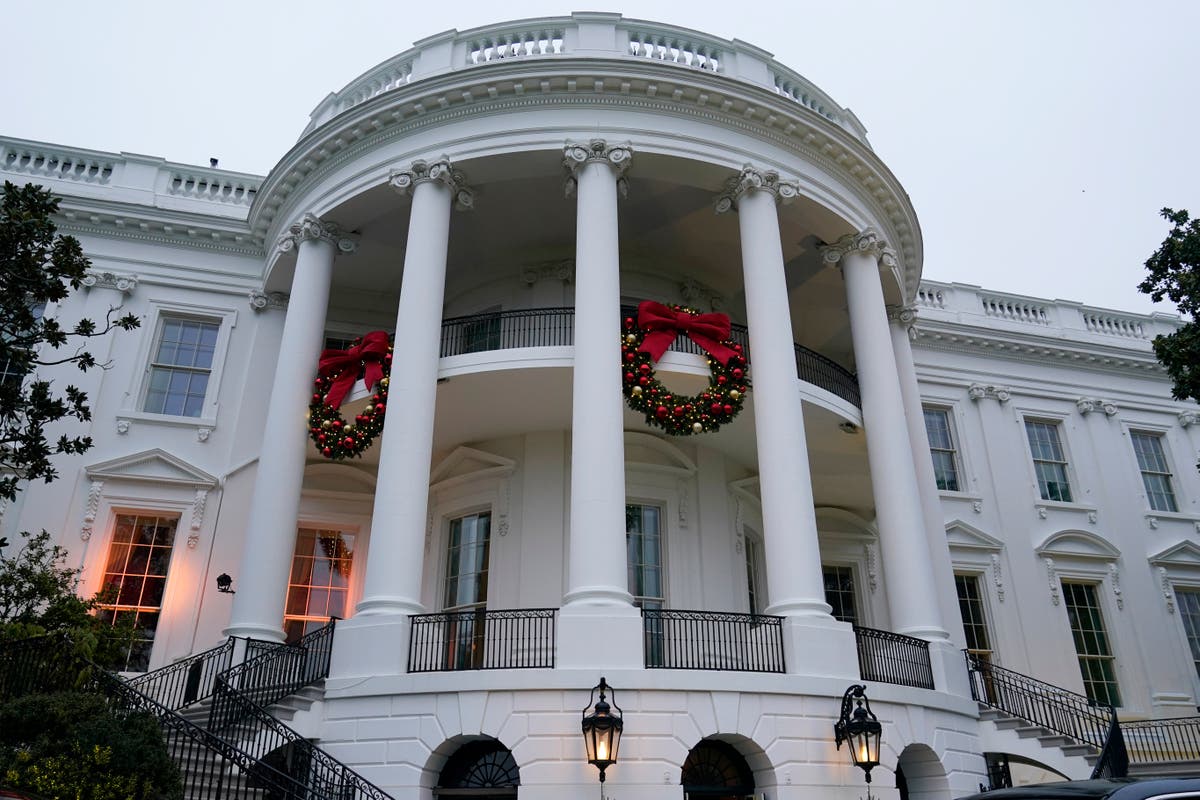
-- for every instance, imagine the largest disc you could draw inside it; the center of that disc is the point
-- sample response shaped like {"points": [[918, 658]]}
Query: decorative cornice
{"points": [[125, 284], [750, 179], [311, 228], [866, 242], [441, 171], [1086, 405], [597, 151], [260, 300], [978, 391], [1189, 418]]}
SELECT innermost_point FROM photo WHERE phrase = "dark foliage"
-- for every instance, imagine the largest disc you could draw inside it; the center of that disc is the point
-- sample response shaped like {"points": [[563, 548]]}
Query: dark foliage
{"points": [[1174, 274]]}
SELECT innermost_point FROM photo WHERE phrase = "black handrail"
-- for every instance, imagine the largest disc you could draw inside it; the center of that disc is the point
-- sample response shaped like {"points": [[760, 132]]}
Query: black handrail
{"points": [[239, 710], [1114, 758], [555, 327], [50, 663], [1039, 703], [187, 681], [482, 639], [889, 657], [712, 640]]}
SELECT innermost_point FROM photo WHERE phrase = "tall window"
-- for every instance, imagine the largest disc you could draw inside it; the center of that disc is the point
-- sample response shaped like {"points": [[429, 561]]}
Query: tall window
{"points": [[839, 593], [1096, 661], [135, 578], [941, 448], [643, 542], [180, 366], [320, 580], [467, 562], [1189, 613], [754, 589], [1048, 460], [1156, 475], [970, 603], [13, 370]]}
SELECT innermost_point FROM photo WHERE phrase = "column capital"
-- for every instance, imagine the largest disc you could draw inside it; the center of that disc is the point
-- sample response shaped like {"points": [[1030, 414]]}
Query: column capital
{"points": [[904, 317], [866, 242], [442, 171], [597, 151], [1189, 418], [751, 178], [1087, 405], [310, 228]]}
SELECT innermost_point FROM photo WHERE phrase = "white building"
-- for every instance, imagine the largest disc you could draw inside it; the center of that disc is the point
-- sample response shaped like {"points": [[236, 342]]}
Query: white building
{"points": [[426, 199]]}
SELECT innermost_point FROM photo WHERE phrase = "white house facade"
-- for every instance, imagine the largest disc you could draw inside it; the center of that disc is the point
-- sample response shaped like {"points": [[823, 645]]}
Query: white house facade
{"points": [[889, 470]]}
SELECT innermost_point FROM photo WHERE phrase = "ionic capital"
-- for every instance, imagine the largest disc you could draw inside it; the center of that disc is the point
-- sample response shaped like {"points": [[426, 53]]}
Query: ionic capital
{"points": [[442, 171], [754, 179], [1087, 405], [1189, 418], [260, 300], [311, 228], [905, 317], [597, 151], [978, 391], [867, 242]]}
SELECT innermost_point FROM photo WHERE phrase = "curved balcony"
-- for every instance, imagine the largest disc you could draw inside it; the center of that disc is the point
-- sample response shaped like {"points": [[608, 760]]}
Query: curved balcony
{"points": [[555, 327]]}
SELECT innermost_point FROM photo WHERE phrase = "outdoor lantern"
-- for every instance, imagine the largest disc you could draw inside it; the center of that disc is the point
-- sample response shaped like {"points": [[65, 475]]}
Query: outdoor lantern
{"points": [[602, 730], [224, 582], [860, 728]]}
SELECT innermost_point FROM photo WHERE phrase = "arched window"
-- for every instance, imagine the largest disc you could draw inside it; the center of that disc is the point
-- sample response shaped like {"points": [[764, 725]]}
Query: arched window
{"points": [[482, 769], [714, 770]]}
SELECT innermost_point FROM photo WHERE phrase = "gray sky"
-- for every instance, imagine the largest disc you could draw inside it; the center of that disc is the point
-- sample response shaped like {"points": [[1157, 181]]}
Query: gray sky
{"points": [[1037, 139]]}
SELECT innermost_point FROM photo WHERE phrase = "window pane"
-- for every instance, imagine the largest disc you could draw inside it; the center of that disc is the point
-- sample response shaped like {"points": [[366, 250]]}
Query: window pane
{"points": [[839, 593], [1189, 614], [319, 580], [644, 555], [941, 448], [970, 603], [1049, 464], [1096, 662], [136, 571], [1156, 477], [182, 361], [467, 561]]}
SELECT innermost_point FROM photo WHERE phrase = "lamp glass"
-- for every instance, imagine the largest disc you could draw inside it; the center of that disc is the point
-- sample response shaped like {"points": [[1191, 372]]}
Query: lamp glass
{"points": [[863, 734], [602, 737]]}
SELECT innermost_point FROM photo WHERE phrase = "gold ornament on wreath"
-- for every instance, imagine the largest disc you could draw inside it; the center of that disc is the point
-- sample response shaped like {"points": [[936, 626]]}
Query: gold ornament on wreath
{"points": [[644, 340], [368, 359]]}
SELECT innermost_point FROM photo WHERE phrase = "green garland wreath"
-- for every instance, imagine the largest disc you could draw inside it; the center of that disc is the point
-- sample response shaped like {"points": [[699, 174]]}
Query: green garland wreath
{"points": [[705, 412], [337, 439]]}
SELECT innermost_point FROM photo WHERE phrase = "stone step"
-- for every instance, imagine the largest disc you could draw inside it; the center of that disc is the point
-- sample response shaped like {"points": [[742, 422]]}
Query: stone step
{"points": [[1033, 731]]}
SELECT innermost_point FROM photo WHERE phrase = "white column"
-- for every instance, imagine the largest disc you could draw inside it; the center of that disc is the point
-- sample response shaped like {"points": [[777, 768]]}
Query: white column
{"points": [[396, 557], [814, 642], [375, 641], [274, 510], [597, 569], [902, 320], [793, 555], [597, 605], [912, 593]]}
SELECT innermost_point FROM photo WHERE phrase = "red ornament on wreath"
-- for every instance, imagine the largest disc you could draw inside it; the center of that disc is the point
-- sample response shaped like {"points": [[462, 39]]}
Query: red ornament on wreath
{"points": [[368, 359], [647, 337]]}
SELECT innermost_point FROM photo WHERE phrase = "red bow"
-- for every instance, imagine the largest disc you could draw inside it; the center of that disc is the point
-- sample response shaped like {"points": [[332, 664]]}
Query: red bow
{"points": [[665, 323], [343, 366]]}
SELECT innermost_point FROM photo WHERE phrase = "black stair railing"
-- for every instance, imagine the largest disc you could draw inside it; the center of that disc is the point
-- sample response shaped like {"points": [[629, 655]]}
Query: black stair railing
{"points": [[1051, 707], [211, 768], [239, 713], [188, 681]]}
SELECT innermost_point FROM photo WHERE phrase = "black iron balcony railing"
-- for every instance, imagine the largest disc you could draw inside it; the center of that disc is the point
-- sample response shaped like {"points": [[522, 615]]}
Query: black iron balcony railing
{"points": [[889, 657], [555, 327], [482, 639], [712, 640], [1162, 740]]}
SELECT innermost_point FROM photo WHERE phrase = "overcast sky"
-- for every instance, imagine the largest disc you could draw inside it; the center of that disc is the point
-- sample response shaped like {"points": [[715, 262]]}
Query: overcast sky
{"points": [[1038, 139]]}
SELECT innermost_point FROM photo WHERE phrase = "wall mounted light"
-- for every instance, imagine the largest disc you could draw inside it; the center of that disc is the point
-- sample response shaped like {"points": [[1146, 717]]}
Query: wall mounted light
{"points": [[224, 582], [602, 730], [860, 729]]}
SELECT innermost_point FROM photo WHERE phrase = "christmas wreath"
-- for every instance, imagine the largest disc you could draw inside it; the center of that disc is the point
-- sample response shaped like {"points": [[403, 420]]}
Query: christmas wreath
{"points": [[369, 358], [643, 342]]}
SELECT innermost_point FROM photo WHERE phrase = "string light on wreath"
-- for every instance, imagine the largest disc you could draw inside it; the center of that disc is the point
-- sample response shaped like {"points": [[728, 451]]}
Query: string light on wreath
{"points": [[368, 358], [646, 338]]}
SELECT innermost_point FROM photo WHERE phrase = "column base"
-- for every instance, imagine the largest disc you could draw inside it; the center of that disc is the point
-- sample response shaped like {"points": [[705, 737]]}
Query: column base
{"points": [[250, 630], [379, 606], [365, 646], [822, 645], [599, 637], [949, 668]]}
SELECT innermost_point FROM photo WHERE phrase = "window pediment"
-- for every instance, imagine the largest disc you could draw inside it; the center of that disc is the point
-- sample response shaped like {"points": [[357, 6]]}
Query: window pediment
{"points": [[152, 466], [1184, 555], [964, 536], [467, 464], [1078, 544]]}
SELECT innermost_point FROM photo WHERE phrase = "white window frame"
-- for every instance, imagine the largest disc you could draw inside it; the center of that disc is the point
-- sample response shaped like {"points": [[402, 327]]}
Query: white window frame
{"points": [[358, 564], [753, 540], [1059, 422], [1178, 568], [982, 581], [955, 440], [1160, 433], [664, 530], [446, 520], [974, 552], [158, 311], [861, 606]]}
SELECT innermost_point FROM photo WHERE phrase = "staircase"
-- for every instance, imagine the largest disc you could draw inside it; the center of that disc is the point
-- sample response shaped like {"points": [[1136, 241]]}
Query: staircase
{"points": [[1072, 730], [223, 725]]}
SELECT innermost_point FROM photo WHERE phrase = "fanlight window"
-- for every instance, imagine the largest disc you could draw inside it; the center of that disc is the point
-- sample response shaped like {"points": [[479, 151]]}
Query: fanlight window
{"points": [[714, 770], [485, 765]]}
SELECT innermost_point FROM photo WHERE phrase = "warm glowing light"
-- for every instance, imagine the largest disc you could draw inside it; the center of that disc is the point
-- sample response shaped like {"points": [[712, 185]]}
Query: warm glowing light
{"points": [[602, 750], [863, 755]]}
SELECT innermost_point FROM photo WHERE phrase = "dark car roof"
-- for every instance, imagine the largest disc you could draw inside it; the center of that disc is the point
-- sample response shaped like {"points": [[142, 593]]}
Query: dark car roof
{"points": [[1118, 789]]}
